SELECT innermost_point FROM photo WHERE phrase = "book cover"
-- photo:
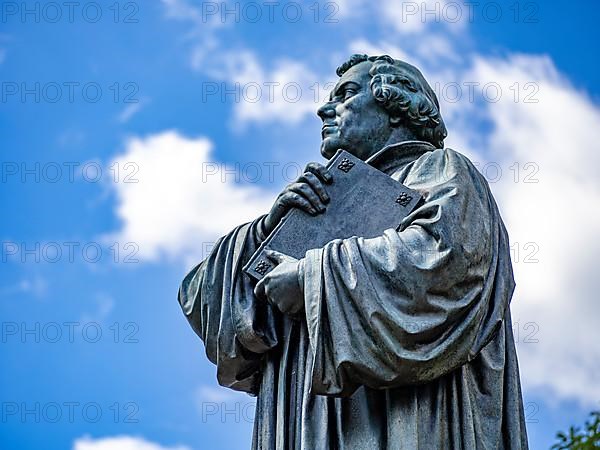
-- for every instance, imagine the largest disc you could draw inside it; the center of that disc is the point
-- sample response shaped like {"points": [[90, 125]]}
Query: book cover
{"points": [[363, 202]]}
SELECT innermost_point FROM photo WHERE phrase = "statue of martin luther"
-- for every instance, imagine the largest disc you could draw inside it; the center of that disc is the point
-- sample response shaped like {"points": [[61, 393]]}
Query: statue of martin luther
{"points": [[402, 341]]}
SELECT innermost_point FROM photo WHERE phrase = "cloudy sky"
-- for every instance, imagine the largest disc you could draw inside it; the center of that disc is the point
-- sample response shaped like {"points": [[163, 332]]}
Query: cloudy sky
{"points": [[136, 133]]}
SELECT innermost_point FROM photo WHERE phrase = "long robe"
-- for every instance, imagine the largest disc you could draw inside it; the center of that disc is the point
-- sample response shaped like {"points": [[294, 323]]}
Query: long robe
{"points": [[405, 341]]}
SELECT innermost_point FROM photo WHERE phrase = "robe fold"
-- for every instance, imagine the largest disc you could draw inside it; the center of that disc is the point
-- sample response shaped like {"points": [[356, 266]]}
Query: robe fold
{"points": [[405, 341]]}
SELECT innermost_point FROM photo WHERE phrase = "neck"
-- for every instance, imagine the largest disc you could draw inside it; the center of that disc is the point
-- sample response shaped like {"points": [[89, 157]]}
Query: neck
{"points": [[398, 135], [401, 134], [396, 155]]}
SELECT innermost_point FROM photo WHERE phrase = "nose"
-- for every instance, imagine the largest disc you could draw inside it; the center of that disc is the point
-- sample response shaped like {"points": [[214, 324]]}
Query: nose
{"points": [[326, 111]]}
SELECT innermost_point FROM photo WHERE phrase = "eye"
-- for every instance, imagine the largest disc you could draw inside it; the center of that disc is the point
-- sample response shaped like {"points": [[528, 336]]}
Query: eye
{"points": [[348, 92]]}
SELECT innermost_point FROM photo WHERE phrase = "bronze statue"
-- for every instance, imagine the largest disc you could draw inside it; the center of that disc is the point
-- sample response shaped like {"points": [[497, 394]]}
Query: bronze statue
{"points": [[402, 341]]}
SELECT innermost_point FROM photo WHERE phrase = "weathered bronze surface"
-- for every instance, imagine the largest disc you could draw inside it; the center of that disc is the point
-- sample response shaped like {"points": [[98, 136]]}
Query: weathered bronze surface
{"points": [[400, 341]]}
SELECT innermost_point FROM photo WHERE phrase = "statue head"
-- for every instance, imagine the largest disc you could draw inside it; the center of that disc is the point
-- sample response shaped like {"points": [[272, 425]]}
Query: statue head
{"points": [[379, 101]]}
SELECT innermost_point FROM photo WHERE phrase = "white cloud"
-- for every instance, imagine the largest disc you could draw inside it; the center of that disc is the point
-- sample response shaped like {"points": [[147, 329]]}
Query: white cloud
{"points": [[380, 48], [181, 9], [104, 306], [286, 93], [4, 39], [214, 403], [121, 443], [344, 9], [182, 200], [436, 48], [219, 394], [131, 110], [206, 18], [71, 138], [204, 27], [34, 285], [414, 17], [556, 218]]}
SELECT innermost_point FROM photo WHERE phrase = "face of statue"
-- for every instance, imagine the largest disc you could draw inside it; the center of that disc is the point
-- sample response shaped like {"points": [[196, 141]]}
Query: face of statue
{"points": [[352, 119]]}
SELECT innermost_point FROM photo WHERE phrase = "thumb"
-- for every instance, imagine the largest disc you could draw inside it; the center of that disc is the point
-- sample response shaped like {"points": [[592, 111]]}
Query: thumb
{"points": [[259, 289], [279, 257]]}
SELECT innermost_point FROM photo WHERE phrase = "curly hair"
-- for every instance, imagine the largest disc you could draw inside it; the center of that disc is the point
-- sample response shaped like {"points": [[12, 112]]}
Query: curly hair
{"points": [[403, 92]]}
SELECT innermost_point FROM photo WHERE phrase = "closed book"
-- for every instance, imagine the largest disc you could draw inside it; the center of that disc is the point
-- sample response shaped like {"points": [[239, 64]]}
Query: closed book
{"points": [[363, 202]]}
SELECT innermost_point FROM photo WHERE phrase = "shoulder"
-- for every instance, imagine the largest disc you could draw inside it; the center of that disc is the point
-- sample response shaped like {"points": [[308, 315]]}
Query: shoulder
{"points": [[447, 160], [447, 172], [442, 166]]}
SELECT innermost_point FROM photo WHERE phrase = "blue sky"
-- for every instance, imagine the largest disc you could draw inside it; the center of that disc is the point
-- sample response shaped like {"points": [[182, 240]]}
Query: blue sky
{"points": [[125, 154]]}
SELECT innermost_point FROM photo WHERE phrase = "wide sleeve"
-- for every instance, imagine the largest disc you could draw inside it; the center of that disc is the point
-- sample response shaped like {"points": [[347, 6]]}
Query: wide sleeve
{"points": [[413, 304], [218, 300]]}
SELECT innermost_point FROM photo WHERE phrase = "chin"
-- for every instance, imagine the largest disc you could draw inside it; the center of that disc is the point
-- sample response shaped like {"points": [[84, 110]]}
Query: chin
{"points": [[326, 153], [328, 148]]}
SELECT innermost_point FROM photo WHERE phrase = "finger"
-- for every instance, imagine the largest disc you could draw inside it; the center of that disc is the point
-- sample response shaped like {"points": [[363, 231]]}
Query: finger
{"points": [[319, 170], [308, 193], [259, 289], [317, 185], [279, 257], [296, 200]]}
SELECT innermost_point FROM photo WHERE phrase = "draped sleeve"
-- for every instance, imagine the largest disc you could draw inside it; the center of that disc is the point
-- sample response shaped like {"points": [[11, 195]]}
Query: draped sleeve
{"points": [[419, 301], [218, 300]]}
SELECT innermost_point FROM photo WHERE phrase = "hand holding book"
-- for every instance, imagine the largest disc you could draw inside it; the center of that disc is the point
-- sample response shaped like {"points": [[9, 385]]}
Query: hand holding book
{"points": [[282, 287], [307, 193]]}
